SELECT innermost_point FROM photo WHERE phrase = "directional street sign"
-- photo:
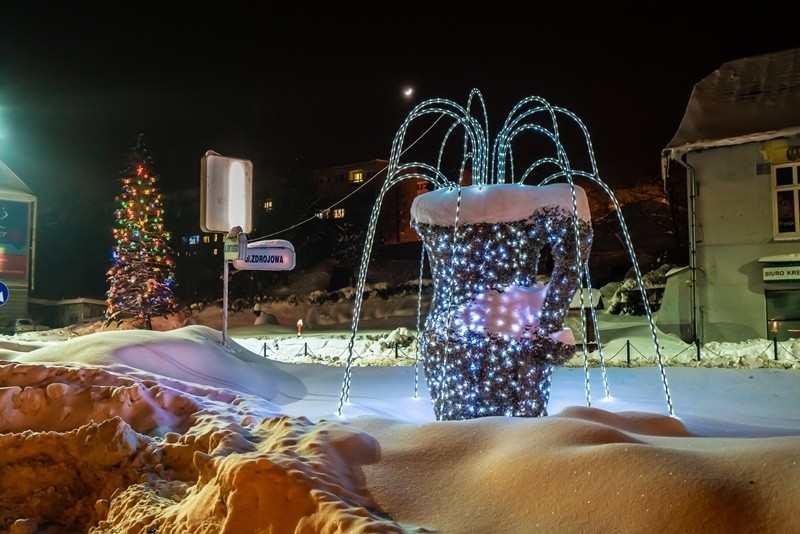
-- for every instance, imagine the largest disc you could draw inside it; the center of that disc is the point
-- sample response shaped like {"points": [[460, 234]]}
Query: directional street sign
{"points": [[3, 293], [266, 255]]}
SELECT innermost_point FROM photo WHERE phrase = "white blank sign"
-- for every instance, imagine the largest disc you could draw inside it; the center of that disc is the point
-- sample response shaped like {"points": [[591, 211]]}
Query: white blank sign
{"points": [[226, 193]]}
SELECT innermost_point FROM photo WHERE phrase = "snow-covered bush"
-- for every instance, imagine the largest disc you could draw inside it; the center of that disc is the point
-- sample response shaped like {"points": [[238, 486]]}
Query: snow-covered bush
{"points": [[627, 297]]}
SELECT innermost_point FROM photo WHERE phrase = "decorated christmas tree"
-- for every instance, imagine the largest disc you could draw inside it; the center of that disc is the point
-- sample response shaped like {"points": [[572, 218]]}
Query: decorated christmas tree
{"points": [[141, 276]]}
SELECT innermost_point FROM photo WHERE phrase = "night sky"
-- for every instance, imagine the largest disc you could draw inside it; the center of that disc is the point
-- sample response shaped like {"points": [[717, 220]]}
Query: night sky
{"points": [[308, 87]]}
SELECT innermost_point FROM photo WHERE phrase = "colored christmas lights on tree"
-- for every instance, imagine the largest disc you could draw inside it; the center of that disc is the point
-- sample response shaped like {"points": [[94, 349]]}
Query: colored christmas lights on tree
{"points": [[142, 273]]}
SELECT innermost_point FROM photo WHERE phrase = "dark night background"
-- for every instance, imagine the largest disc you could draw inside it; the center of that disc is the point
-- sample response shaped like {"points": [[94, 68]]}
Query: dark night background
{"points": [[305, 87]]}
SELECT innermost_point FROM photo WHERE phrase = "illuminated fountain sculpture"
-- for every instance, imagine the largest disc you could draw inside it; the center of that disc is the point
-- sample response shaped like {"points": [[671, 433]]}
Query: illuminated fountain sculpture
{"points": [[495, 327], [494, 332]]}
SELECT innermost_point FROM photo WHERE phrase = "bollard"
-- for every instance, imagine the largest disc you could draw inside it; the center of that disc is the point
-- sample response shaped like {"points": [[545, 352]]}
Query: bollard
{"points": [[628, 349], [697, 344], [395, 352], [775, 347], [305, 349], [265, 349]]}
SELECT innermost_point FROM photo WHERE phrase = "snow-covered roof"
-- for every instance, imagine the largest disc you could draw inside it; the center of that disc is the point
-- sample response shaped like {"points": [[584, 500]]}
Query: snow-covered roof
{"points": [[751, 99], [781, 258], [10, 182]]}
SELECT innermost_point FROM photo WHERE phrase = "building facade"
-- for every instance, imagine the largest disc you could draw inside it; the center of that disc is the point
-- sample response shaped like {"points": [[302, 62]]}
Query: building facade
{"points": [[66, 312], [738, 148], [17, 245], [348, 194]]}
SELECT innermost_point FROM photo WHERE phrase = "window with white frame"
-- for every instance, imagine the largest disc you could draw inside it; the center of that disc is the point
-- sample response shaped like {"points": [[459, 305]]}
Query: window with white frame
{"points": [[785, 208], [338, 213]]}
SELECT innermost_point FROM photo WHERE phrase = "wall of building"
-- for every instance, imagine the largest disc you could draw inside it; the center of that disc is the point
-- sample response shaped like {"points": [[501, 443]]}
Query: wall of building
{"points": [[734, 230], [333, 186], [17, 244], [58, 313]]}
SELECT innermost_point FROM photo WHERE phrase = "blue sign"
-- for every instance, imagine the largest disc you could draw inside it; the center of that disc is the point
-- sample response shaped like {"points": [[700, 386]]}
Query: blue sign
{"points": [[3, 293]]}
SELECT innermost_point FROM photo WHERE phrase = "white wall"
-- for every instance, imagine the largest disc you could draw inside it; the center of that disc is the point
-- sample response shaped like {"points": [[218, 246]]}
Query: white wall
{"points": [[734, 229]]}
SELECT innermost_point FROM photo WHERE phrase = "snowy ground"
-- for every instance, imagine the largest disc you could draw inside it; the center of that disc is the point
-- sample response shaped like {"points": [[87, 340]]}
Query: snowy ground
{"points": [[179, 430], [386, 337], [184, 429]]}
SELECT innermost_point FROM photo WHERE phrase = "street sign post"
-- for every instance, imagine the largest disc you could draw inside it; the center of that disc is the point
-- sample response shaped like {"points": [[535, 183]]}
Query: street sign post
{"points": [[226, 203], [264, 255]]}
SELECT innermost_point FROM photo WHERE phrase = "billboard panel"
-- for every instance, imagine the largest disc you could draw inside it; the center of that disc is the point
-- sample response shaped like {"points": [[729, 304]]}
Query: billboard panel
{"points": [[15, 234]]}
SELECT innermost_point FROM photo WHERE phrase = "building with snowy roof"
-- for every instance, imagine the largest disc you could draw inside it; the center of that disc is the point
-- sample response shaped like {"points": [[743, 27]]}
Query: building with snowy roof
{"points": [[738, 148]]}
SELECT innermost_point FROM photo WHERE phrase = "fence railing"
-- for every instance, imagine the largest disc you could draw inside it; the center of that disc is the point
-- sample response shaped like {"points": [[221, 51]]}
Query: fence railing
{"points": [[635, 352]]}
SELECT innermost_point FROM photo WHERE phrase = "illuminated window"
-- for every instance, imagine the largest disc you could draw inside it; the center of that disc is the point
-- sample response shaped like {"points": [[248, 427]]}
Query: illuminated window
{"points": [[216, 252], [338, 213], [206, 239], [268, 205], [194, 239], [356, 177], [785, 206]]}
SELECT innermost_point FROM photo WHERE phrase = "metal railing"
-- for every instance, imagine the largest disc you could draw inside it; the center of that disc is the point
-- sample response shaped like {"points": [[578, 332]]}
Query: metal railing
{"points": [[773, 350]]}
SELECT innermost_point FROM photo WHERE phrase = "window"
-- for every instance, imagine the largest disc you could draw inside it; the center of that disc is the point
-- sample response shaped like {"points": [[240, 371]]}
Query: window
{"points": [[783, 314], [206, 239], [356, 177], [268, 205], [338, 213], [785, 208]]}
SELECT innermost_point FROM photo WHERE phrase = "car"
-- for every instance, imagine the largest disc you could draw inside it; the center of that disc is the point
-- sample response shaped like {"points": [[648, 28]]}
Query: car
{"points": [[26, 324]]}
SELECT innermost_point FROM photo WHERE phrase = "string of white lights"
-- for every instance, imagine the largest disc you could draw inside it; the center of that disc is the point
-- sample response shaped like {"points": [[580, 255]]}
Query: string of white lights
{"points": [[469, 385]]}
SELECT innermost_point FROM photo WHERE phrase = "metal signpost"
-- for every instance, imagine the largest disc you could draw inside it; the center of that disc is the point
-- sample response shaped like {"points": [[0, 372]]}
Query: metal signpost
{"points": [[265, 255], [226, 186]]}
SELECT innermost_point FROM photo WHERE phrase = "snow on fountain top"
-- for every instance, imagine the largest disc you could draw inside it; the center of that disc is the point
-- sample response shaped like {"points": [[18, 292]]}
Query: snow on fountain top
{"points": [[495, 203]]}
